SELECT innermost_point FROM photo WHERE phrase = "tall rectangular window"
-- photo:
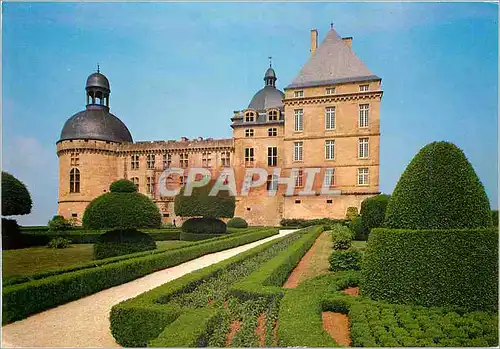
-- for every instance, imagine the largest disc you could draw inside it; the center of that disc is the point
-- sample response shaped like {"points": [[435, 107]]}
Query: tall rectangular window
{"points": [[249, 159], [272, 132], [299, 115], [272, 156], [150, 161], [297, 151], [330, 118], [272, 182], [299, 178], [184, 160], [225, 159], [363, 176], [249, 132], [206, 159], [329, 179], [167, 160], [150, 185], [364, 110], [329, 149], [363, 148], [135, 180], [134, 162]]}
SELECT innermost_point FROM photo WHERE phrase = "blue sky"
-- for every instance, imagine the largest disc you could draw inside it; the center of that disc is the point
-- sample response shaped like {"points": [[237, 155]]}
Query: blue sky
{"points": [[180, 69]]}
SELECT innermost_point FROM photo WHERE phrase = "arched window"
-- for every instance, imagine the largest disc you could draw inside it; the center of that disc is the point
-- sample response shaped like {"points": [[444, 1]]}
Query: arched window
{"points": [[272, 115], [74, 180]]}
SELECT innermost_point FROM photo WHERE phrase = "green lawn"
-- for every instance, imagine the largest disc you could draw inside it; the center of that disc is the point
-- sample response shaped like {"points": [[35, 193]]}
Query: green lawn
{"points": [[33, 260]]}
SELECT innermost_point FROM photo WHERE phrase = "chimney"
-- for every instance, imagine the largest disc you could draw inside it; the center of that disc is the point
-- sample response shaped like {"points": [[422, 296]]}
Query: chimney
{"points": [[314, 40], [348, 41]]}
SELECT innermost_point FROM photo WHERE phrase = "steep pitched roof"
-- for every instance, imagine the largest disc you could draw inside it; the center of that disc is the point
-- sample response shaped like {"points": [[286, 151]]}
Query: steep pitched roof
{"points": [[332, 62]]}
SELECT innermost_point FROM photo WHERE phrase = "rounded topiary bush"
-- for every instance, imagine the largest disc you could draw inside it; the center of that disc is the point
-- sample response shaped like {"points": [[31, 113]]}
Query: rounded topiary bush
{"points": [[237, 222], [123, 241], [11, 234], [351, 213], [204, 226], [438, 190], [121, 210], [122, 186], [16, 199], [356, 227], [373, 214]]}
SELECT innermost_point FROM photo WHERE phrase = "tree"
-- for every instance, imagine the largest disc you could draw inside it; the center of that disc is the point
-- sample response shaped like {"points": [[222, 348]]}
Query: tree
{"points": [[439, 190], [16, 199]]}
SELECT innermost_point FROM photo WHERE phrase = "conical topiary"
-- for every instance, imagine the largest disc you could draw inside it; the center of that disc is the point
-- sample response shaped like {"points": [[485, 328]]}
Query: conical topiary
{"points": [[438, 190]]}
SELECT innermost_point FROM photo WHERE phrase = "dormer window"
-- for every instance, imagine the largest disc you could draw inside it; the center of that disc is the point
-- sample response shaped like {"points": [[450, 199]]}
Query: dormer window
{"points": [[249, 116], [330, 90], [298, 94], [273, 115], [363, 88]]}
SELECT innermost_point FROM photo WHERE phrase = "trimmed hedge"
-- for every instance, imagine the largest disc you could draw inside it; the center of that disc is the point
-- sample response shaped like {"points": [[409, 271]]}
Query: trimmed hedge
{"points": [[197, 237], [372, 214], [16, 199], [23, 299], [11, 234], [439, 190], [494, 217], [351, 213], [303, 223], [433, 267], [204, 226], [349, 259], [341, 237], [237, 222], [356, 227], [120, 242], [200, 203]]}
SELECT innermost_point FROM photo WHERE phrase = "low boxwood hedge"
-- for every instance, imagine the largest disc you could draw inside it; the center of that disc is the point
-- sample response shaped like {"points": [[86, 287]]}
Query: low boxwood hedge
{"points": [[303, 223], [433, 267], [26, 298], [197, 237], [121, 242]]}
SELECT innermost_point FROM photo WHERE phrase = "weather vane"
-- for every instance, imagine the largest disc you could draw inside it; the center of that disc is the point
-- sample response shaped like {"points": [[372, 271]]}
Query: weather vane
{"points": [[270, 61]]}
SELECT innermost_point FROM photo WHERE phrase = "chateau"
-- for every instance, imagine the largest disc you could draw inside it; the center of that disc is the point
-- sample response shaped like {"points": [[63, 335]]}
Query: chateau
{"points": [[327, 118]]}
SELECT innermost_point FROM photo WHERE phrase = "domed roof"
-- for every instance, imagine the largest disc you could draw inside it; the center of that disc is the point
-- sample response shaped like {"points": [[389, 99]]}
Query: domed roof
{"points": [[268, 97], [96, 122], [97, 80], [270, 73]]}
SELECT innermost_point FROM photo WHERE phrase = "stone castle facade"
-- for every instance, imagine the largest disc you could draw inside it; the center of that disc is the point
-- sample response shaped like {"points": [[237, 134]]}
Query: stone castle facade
{"points": [[327, 118]]}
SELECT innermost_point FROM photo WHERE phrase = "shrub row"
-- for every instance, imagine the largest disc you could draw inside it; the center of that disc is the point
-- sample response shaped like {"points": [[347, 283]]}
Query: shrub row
{"points": [[23, 299], [433, 267], [197, 237], [139, 320], [303, 223]]}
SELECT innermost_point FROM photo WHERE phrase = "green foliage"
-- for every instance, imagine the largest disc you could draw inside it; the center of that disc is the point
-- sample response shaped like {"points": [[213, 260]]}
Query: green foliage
{"points": [[197, 237], [11, 234], [433, 267], [341, 237], [373, 214], [123, 186], [439, 190], [237, 222], [59, 223], [121, 211], [120, 242], [356, 227], [16, 199], [199, 203], [54, 288], [59, 243], [131, 322], [494, 217], [352, 212], [303, 223], [349, 259], [204, 226]]}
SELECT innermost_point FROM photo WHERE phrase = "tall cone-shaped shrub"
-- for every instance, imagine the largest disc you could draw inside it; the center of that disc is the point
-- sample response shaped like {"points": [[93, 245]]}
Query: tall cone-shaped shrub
{"points": [[438, 190]]}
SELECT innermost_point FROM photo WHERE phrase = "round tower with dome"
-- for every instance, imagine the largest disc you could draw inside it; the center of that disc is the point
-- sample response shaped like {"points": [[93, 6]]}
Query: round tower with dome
{"points": [[88, 148]]}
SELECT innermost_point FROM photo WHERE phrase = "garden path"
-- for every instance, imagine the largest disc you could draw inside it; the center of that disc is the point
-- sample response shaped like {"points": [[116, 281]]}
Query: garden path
{"points": [[85, 322]]}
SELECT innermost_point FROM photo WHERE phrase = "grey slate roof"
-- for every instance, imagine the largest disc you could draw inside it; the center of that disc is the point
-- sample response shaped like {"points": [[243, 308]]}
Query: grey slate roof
{"points": [[95, 122], [267, 97], [332, 62]]}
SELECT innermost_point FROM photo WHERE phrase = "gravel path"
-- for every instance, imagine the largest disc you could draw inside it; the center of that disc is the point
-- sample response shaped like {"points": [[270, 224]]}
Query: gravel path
{"points": [[85, 322]]}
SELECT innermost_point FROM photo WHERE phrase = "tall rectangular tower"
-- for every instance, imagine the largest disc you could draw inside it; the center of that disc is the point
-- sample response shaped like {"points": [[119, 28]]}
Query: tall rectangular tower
{"points": [[332, 122]]}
